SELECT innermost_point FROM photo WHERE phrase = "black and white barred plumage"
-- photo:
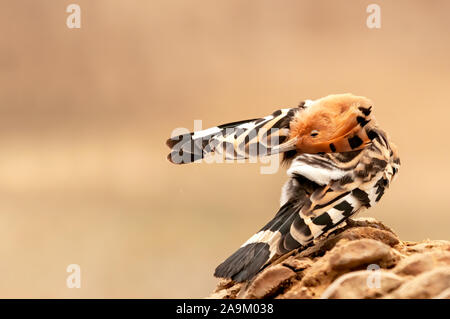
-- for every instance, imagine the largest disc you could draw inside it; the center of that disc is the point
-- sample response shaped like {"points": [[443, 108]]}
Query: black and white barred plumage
{"points": [[341, 162], [237, 140], [322, 191]]}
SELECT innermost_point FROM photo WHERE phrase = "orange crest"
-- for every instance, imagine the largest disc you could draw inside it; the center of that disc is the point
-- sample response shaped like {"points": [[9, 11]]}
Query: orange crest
{"points": [[334, 123]]}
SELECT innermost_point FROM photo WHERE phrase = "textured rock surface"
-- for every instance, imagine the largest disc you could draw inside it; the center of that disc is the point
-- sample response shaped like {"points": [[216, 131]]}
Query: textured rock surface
{"points": [[364, 259]]}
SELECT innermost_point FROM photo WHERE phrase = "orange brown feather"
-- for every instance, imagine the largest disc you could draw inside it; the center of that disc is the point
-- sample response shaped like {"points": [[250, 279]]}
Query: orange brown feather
{"points": [[333, 124]]}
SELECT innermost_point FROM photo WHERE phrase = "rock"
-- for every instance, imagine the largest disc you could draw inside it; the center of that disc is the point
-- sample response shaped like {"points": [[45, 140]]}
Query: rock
{"points": [[297, 264], [419, 263], [224, 284], [427, 285], [362, 284], [368, 222], [344, 257], [268, 282], [301, 293], [427, 245], [381, 235], [226, 289], [444, 295], [341, 262], [317, 275], [351, 234], [361, 252]]}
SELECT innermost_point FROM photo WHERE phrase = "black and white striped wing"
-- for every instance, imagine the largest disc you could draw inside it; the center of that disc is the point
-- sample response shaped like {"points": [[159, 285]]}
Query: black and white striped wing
{"points": [[237, 140], [288, 230]]}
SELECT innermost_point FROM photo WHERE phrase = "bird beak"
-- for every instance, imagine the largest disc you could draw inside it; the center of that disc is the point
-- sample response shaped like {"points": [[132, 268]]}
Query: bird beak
{"points": [[287, 146]]}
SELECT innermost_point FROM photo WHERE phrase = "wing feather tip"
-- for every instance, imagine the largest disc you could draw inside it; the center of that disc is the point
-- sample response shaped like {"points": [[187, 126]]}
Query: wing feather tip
{"points": [[245, 263]]}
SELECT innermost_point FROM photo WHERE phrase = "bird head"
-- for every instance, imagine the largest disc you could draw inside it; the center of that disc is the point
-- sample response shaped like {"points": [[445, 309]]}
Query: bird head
{"points": [[331, 124]]}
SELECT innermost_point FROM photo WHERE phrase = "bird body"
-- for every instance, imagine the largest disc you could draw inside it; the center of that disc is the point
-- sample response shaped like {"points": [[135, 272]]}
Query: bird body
{"points": [[340, 163]]}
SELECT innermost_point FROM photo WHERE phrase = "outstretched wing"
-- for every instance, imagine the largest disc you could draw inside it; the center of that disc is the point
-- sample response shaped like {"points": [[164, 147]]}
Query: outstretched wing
{"points": [[237, 140], [323, 191]]}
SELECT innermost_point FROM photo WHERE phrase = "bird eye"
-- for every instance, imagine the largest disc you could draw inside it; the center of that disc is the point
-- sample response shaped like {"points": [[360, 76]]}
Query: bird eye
{"points": [[314, 133]]}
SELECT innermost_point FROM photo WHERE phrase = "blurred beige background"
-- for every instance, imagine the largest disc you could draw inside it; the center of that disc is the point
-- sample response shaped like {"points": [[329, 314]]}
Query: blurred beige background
{"points": [[84, 115]]}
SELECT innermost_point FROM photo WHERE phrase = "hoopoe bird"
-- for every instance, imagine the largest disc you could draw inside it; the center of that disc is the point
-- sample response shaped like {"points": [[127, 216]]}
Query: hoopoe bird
{"points": [[340, 163]]}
